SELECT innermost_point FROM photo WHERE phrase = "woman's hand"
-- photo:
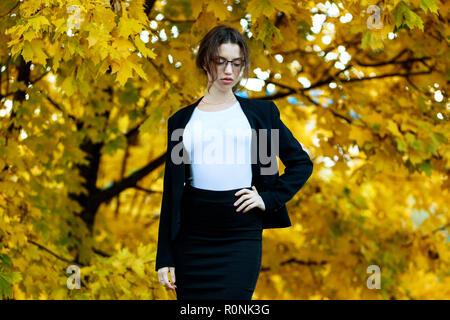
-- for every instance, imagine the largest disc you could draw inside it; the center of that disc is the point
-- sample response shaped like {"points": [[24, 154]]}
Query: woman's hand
{"points": [[251, 199], [164, 277]]}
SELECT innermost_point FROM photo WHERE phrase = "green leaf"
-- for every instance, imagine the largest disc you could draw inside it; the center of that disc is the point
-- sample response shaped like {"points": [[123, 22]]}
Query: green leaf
{"points": [[360, 202], [266, 31], [5, 261], [403, 15], [5, 288], [6, 282], [130, 95], [112, 146], [413, 142], [428, 4], [426, 167]]}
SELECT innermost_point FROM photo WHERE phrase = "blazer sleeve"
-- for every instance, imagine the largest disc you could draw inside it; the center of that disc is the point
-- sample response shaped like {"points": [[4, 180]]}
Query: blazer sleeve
{"points": [[298, 166], [164, 254]]}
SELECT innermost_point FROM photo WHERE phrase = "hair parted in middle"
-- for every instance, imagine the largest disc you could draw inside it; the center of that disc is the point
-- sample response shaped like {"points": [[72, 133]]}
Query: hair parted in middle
{"points": [[208, 51]]}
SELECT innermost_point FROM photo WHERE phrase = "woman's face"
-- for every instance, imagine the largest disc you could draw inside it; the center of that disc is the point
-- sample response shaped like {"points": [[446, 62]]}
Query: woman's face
{"points": [[230, 70]]}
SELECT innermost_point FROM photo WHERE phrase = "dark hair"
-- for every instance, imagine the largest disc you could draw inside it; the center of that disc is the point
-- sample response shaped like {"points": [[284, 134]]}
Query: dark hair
{"points": [[208, 50]]}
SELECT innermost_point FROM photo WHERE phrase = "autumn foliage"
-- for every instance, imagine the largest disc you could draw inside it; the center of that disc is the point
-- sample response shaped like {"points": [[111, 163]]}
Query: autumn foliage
{"points": [[86, 88]]}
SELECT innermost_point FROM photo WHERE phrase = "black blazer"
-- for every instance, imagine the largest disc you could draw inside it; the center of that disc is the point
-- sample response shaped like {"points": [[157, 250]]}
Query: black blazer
{"points": [[275, 190]]}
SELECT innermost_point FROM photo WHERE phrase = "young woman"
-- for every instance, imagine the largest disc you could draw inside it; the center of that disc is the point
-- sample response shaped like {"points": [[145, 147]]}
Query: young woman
{"points": [[215, 204]]}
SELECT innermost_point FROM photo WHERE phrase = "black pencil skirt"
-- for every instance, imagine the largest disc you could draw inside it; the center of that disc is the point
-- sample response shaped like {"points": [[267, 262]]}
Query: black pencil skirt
{"points": [[218, 251]]}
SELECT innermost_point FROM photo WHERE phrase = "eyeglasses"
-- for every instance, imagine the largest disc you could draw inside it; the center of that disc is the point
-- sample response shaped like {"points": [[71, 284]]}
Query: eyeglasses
{"points": [[235, 63]]}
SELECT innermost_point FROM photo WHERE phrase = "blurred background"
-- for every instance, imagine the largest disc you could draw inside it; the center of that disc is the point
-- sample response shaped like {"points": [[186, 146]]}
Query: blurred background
{"points": [[86, 88]]}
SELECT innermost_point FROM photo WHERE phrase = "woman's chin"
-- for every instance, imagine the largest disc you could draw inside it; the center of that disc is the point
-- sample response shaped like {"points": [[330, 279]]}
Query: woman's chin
{"points": [[226, 87]]}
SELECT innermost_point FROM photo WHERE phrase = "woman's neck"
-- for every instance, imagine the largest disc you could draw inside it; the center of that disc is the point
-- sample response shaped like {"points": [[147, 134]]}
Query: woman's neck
{"points": [[218, 98]]}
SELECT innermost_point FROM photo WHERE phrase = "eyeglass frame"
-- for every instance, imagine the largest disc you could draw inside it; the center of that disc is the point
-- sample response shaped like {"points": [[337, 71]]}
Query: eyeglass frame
{"points": [[242, 60]]}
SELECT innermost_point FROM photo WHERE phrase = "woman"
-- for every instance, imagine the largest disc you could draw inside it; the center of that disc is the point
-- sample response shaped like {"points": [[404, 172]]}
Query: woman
{"points": [[215, 206]]}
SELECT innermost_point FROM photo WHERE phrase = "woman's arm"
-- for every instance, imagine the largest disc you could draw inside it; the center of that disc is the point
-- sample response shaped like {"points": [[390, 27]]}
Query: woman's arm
{"points": [[164, 254], [298, 167]]}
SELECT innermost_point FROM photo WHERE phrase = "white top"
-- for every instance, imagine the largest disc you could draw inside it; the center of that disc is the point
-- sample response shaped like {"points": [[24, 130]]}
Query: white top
{"points": [[219, 147]]}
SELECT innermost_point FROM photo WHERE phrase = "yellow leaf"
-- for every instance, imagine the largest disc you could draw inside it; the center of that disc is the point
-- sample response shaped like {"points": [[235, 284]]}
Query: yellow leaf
{"points": [[146, 52], [123, 46], [92, 40], [29, 35], [361, 135], [375, 119], [219, 9], [146, 252], [129, 27], [34, 51], [415, 157], [27, 51], [138, 267], [137, 66], [125, 71], [68, 86], [39, 21], [261, 7], [286, 6], [392, 127]]}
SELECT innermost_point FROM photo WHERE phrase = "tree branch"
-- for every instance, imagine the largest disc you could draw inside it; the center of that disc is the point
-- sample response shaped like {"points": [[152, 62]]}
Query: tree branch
{"points": [[131, 181], [54, 254], [296, 261], [4, 15]]}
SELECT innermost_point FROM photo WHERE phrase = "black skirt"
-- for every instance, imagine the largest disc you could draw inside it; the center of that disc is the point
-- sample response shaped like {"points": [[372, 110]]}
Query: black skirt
{"points": [[218, 251]]}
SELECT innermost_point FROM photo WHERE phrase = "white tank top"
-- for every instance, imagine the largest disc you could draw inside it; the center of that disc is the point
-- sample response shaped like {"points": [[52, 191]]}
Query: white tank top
{"points": [[219, 147]]}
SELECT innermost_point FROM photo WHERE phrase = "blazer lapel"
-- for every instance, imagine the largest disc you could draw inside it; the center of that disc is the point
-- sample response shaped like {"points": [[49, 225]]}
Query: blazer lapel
{"points": [[250, 114]]}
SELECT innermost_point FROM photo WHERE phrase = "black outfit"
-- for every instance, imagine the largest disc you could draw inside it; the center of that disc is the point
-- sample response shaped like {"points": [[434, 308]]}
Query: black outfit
{"points": [[275, 190], [218, 252]]}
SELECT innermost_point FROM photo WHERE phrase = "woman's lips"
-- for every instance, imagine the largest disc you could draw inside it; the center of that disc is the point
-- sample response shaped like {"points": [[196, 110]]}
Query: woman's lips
{"points": [[226, 81]]}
